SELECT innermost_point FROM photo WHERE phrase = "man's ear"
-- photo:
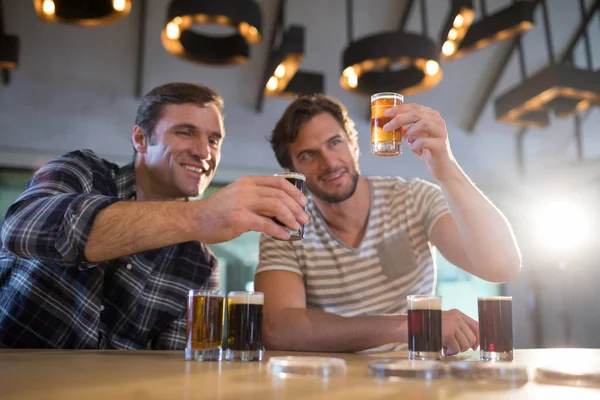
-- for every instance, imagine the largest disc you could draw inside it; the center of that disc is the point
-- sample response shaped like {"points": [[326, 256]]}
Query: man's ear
{"points": [[139, 139]]}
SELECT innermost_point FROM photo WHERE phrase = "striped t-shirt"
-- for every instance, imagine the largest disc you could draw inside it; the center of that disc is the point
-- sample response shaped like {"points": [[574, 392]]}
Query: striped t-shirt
{"points": [[393, 260]]}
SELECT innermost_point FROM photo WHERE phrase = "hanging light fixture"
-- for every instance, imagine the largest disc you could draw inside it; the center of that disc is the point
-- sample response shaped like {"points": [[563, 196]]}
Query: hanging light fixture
{"points": [[281, 76], [458, 20], [285, 60], [561, 88], [82, 12], [9, 46], [398, 61], [179, 38], [9, 51], [508, 22]]}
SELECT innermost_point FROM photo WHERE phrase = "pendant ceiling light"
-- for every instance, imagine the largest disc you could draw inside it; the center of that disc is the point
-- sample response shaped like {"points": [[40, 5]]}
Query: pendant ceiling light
{"points": [[9, 46], [508, 22], [82, 12], [179, 38], [561, 88], [281, 75], [457, 23], [391, 61]]}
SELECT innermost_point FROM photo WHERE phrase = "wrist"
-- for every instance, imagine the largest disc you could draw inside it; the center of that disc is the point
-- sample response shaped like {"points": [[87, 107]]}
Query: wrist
{"points": [[451, 175], [185, 220]]}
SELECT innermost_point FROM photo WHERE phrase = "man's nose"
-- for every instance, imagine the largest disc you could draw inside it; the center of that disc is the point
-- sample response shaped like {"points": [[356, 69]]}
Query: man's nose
{"points": [[201, 149]]}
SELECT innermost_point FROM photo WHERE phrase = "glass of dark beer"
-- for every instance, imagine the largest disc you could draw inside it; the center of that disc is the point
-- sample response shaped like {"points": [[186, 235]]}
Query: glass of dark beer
{"points": [[495, 328], [385, 143], [244, 326], [299, 181], [424, 327], [204, 330]]}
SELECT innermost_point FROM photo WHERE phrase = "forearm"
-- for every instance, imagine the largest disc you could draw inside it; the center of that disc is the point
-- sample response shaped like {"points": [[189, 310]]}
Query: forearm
{"points": [[486, 235], [298, 329], [126, 228]]}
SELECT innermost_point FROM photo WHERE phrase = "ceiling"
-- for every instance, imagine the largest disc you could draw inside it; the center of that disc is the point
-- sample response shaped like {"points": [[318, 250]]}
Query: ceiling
{"points": [[74, 88]]}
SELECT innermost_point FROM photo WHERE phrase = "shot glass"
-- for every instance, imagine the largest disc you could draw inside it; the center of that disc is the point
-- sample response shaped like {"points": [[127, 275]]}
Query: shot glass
{"points": [[204, 330], [244, 326], [385, 143], [299, 181], [424, 327], [495, 328]]}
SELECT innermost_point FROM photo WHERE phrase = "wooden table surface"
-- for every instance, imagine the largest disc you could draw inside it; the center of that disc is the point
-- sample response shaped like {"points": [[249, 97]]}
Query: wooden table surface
{"points": [[141, 375]]}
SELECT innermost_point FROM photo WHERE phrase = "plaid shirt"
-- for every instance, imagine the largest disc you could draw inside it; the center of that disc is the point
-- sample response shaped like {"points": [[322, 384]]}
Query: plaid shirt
{"points": [[51, 297]]}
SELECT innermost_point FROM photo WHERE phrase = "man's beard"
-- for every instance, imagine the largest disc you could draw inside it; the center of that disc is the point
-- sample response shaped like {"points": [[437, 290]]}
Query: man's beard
{"points": [[335, 198]]}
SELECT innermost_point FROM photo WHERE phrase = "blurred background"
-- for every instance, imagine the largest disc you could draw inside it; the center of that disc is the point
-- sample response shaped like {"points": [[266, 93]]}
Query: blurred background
{"points": [[518, 86]]}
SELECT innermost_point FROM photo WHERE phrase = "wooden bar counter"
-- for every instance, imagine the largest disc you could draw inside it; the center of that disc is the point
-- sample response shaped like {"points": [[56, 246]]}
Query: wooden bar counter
{"points": [[146, 375]]}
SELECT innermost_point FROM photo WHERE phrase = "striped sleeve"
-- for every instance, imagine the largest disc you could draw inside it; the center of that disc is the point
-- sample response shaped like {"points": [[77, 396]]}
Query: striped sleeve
{"points": [[429, 202], [277, 255]]}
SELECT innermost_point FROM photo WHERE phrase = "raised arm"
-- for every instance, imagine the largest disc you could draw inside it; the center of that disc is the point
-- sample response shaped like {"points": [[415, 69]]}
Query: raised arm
{"points": [[61, 218], [476, 237]]}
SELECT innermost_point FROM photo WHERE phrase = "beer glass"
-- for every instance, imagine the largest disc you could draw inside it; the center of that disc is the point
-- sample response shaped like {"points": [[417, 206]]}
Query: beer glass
{"points": [[204, 330], [424, 327], [299, 181], [385, 143], [244, 326], [495, 328]]}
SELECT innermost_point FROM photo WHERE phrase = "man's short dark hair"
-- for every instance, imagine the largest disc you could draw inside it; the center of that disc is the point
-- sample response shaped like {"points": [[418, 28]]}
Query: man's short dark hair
{"points": [[302, 110], [150, 109]]}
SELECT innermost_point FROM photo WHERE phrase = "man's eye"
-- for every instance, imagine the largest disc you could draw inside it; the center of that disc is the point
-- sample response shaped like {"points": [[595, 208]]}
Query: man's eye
{"points": [[306, 155]]}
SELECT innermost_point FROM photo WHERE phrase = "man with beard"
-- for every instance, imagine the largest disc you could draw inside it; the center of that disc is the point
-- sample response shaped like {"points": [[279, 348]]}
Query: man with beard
{"points": [[369, 240], [100, 256]]}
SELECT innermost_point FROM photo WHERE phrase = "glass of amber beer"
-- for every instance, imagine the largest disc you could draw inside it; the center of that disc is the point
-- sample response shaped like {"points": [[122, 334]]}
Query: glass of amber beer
{"points": [[424, 327], [204, 331], [385, 143], [244, 326], [495, 328]]}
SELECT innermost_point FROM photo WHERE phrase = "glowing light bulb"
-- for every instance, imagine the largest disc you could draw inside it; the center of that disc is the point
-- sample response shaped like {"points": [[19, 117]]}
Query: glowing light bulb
{"points": [[348, 72], [431, 67], [448, 48], [458, 21], [119, 5], [173, 31], [353, 81], [280, 71], [272, 84], [48, 7], [453, 34]]}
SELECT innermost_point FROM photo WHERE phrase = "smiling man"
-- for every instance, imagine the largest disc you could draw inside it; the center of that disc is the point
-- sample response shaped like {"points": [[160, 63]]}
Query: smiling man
{"points": [[369, 240], [100, 256]]}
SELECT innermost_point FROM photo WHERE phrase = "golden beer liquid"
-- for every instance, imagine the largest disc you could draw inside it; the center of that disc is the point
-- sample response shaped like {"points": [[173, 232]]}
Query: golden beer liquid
{"points": [[205, 322], [378, 120]]}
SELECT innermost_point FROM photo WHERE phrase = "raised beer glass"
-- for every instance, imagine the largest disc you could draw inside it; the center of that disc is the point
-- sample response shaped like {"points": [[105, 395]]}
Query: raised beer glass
{"points": [[204, 330], [385, 143], [299, 181], [424, 327], [495, 328], [244, 326]]}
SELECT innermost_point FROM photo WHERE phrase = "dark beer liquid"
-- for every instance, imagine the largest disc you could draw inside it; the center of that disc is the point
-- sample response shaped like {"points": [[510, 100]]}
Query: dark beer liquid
{"points": [[244, 327], [425, 330], [299, 184], [495, 325], [205, 336]]}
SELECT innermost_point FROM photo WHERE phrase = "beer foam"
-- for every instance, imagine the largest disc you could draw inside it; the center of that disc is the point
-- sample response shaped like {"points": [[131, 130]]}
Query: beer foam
{"points": [[246, 298], [502, 298], [424, 303], [292, 175], [205, 293], [387, 95]]}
